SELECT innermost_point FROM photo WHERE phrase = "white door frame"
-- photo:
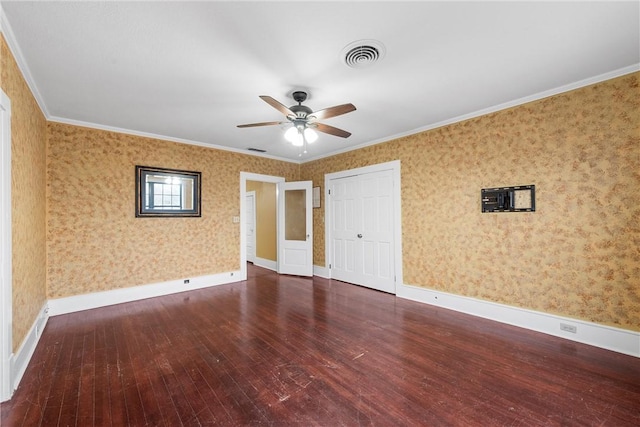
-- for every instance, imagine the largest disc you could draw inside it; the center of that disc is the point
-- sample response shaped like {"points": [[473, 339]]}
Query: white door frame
{"points": [[394, 166], [244, 177], [253, 194], [6, 304]]}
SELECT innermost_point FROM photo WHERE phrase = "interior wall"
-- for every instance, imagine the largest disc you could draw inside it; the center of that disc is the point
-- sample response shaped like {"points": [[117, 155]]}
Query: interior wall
{"points": [[28, 199], [95, 242], [266, 221], [576, 256]]}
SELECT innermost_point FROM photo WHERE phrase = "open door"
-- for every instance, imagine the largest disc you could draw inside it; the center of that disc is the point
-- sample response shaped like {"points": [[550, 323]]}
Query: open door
{"points": [[295, 228]]}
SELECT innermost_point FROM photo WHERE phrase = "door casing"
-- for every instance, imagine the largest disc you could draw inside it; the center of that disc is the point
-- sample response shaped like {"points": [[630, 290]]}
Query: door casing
{"points": [[244, 177], [251, 237], [6, 303]]}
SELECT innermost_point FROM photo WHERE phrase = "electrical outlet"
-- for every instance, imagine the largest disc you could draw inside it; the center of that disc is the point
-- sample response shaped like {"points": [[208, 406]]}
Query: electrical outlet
{"points": [[186, 281], [568, 328]]}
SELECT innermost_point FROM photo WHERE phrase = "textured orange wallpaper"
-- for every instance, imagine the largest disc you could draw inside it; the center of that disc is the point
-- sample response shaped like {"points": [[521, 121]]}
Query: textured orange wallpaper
{"points": [[28, 163], [578, 255], [94, 240]]}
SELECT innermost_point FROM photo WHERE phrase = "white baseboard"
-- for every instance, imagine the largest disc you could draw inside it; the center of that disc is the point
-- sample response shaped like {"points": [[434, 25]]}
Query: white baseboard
{"points": [[266, 263], [321, 271], [20, 360], [117, 296], [607, 337]]}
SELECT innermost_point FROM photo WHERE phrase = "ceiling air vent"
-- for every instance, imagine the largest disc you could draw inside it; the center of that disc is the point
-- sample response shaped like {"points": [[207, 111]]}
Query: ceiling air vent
{"points": [[259, 150], [363, 53]]}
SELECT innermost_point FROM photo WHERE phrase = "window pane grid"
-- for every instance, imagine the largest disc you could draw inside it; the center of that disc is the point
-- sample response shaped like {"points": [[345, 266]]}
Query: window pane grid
{"points": [[163, 196]]}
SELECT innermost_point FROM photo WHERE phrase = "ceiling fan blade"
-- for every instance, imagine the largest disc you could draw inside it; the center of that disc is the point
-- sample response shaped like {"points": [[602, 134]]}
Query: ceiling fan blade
{"points": [[251, 125], [332, 130], [332, 112], [277, 105]]}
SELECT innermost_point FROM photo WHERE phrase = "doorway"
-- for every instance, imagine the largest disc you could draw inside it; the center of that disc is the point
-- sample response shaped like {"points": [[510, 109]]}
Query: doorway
{"points": [[363, 226], [244, 178], [283, 242], [251, 226]]}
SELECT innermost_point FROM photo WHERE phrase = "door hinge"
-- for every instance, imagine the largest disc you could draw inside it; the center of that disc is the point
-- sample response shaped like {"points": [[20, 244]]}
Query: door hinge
{"points": [[329, 192], [329, 266]]}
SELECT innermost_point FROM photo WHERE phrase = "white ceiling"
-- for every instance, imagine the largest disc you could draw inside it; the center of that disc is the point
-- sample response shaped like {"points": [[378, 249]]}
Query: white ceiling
{"points": [[192, 71]]}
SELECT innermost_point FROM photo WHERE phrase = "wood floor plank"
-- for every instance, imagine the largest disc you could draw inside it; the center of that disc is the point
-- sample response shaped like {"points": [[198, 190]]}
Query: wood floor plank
{"points": [[117, 402], [291, 351], [102, 407], [86, 391]]}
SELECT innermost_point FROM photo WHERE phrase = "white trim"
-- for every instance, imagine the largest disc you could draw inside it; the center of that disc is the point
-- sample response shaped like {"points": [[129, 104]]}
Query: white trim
{"points": [[266, 263], [5, 27], [252, 194], [6, 297], [14, 47], [607, 337], [164, 138], [23, 356], [118, 296], [244, 177], [495, 108], [394, 166], [21, 62]]}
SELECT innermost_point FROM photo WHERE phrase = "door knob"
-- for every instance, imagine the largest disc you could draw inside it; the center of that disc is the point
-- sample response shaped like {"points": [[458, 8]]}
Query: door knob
{"points": [[359, 236]]}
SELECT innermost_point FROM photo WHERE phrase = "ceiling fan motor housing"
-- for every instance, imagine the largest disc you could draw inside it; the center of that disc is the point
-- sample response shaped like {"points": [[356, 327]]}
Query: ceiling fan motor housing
{"points": [[299, 96], [301, 111]]}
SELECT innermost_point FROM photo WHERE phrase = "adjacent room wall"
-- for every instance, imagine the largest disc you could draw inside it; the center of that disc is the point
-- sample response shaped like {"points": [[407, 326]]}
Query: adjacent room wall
{"points": [[577, 256], [95, 242], [28, 166], [266, 223]]}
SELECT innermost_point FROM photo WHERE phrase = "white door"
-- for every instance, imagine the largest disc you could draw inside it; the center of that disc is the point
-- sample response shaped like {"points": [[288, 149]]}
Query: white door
{"points": [[295, 228], [362, 230], [250, 218]]}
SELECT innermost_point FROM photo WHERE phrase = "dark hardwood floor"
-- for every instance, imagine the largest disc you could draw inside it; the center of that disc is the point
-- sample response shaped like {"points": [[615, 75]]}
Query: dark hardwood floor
{"points": [[290, 351]]}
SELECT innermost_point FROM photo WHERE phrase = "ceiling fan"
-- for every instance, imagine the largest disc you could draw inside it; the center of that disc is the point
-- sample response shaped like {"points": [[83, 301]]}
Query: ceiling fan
{"points": [[304, 119]]}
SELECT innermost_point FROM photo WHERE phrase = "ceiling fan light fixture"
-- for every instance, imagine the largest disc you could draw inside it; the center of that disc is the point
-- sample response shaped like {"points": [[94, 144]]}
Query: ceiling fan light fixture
{"points": [[310, 135], [294, 136]]}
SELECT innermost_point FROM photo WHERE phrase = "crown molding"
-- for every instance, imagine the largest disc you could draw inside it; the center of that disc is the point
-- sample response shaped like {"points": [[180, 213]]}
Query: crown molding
{"points": [[506, 105], [90, 125], [10, 38], [5, 28]]}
